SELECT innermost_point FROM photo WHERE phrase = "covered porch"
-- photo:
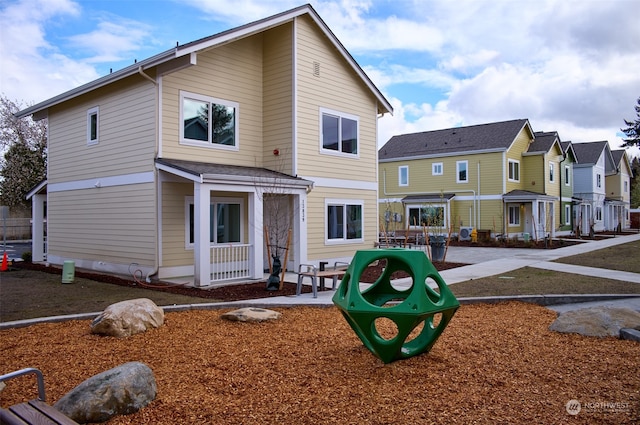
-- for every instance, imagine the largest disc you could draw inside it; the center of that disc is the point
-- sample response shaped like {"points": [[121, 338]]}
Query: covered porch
{"points": [[532, 212], [221, 211]]}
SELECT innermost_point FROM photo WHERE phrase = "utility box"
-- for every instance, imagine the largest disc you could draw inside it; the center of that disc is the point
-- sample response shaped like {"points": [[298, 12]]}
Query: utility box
{"points": [[68, 271]]}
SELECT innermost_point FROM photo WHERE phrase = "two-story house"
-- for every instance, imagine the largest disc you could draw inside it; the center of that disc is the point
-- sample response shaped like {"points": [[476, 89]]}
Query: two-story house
{"points": [[566, 188], [181, 164], [593, 163], [618, 195], [495, 177]]}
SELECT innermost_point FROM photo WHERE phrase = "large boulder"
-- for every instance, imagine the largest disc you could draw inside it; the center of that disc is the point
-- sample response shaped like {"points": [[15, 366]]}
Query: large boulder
{"points": [[127, 318], [597, 321], [119, 391], [251, 314]]}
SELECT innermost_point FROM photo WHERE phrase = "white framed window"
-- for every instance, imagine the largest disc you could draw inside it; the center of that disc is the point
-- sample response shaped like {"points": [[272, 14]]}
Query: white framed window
{"points": [[344, 221], [339, 133], [437, 169], [430, 216], [514, 170], [552, 174], [462, 171], [93, 126], [208, 122], [599, 180], [567, 214], [598, 213], [514, 215], [567, 175], [403, 175], [226, 221], [626, 186]]}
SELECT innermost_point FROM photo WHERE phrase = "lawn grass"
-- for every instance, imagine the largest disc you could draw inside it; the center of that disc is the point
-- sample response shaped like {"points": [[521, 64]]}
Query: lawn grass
{"points": [[624, 257]]}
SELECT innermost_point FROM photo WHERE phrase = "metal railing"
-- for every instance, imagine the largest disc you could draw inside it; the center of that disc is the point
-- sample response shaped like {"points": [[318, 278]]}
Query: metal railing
{"points": [[230, 262]]}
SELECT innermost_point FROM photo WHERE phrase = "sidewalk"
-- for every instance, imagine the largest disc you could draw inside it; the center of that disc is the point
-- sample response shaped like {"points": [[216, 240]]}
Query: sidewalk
{"points": [[485, 262]]}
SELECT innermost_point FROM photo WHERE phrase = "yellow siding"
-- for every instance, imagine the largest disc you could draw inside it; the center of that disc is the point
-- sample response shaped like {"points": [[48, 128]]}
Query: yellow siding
{"points": [[317, 248], [533, 172], [521, 144], [110, 224], [337, 88], [127, 133], [278, 99], [231, 72]]}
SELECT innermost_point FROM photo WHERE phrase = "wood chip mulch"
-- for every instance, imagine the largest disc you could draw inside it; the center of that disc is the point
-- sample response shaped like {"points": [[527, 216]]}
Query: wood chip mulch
{"points": [[493, 364]]}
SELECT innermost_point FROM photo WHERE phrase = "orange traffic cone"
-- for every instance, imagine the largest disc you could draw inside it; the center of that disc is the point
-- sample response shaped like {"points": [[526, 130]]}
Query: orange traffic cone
{"points": [[4, 267]]}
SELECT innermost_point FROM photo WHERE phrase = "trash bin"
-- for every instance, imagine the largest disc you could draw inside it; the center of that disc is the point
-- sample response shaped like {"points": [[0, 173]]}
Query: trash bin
{"points": [[526, 237], [68, 271]]}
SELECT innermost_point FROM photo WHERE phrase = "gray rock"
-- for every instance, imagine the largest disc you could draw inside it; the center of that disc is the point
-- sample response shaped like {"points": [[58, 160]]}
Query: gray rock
{"points": [[251, 314], [630, 334], [119, 391], [127, 318], [596, 321]]}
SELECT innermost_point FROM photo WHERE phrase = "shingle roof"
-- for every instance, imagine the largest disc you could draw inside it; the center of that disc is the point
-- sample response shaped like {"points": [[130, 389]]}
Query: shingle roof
{"points": [[588, 153], [483, 137], [543, 141]]}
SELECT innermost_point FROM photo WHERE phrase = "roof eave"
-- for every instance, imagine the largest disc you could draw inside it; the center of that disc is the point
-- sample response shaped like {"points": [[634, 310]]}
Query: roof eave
{"points": [[444, 155]]}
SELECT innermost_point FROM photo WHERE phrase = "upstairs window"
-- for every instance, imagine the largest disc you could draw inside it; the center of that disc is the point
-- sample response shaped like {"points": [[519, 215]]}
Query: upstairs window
{"points": [[93, 122], [207, 121], [403, 175], [462, 175], [339, 132], [552, 176], [599, 180], [514, 170], [436, 169], [567, 175]]}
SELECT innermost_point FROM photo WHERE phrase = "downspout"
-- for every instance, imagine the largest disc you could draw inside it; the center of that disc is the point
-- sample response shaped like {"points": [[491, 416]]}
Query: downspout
{"points": [[561, 171], [478, 218], [156, 266]]}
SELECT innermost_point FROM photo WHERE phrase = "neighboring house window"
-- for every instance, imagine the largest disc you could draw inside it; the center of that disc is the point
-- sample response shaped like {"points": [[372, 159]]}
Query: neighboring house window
{"points": [[225, 221], [462, 175], [599, 180], [344, 221], [514, 216], [403, 175], [567, 214], [436, 169], [339, 132], [552, 176], [514, 170], [567, 175], [93, 126], [598, 213], [427, 216], [626, 186], [206, 121]]}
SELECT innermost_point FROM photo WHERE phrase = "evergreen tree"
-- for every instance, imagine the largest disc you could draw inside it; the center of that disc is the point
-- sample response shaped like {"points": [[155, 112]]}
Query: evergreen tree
{"points": [[632, 131]]}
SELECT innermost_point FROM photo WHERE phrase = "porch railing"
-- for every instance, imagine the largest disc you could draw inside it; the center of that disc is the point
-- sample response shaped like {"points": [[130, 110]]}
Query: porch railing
{"points": [[230, 262]]}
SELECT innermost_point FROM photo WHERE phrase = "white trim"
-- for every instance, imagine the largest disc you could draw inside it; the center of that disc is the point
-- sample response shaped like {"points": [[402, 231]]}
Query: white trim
{"points": [[91, 112], [433, 168], [509, 162], [189, 200], [567, 181], [122, 180], [552, 172], [209, 143], [402, 168], [294, 92], [340, 115], [159, 121], [343, 202], [341, 184], [458, 163], [509, 223]]}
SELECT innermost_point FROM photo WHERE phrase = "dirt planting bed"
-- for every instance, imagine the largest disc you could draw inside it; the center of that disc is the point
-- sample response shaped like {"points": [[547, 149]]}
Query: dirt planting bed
{"points": [[493, 364]]}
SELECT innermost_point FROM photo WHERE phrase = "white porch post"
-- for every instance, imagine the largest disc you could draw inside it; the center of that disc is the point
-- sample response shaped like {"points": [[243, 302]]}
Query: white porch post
{"points": [[256, 232], [300, 229], [201, 231], [37, 227]]}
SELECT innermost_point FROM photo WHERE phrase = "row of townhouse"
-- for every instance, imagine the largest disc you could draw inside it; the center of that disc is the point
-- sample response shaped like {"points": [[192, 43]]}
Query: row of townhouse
{"points": [[503, 179]]}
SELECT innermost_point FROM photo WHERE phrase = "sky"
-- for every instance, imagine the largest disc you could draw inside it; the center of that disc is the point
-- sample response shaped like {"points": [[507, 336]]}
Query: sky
{"points": [[566, 65]]}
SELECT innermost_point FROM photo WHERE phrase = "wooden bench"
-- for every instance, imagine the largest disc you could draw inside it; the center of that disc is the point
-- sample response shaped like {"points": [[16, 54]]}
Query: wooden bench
{"points": [[311, 271], [35, 412]]}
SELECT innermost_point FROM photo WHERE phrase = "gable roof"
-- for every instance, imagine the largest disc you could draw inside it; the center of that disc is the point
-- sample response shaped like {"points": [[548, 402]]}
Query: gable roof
{"points": [[620, 157], [186, 55], [492, 137], [587, 154], [567, 149], [544, 141]]}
